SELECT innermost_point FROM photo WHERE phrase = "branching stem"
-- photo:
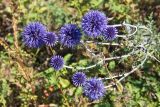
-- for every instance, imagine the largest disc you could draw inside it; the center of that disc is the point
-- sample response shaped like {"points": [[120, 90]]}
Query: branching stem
{"points": [[98, 63], [127, 74]]}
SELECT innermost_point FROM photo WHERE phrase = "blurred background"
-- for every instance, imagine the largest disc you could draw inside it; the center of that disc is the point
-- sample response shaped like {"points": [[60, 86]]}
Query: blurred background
{"points": [[142, 89]]}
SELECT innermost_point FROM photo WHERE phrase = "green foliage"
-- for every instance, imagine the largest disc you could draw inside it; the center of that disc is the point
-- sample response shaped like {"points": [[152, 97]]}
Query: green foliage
{"points": [[4, 91], [67, 58], [27, 80], [112, 65], [64, 82], [38, 11], [78, 91]]}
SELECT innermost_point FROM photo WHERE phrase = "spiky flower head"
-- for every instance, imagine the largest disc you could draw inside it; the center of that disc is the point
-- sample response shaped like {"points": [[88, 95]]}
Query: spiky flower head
{"points": [[33, 33], [57, 62], [78, 78], [50, 39], [93, 23], [94, 88], [110, 33], [70, 35]]}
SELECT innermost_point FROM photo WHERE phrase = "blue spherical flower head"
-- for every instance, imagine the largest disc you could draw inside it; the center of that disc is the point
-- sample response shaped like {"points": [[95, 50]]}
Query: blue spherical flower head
{"points": [[50, 39], [70, 35], [33, 33], [93, 23], [110, 33], [78, 78], [57, 62], [94, 89]]}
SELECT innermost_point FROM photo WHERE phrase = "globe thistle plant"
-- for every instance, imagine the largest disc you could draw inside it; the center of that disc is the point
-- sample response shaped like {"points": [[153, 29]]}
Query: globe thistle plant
{"points": [[93, 23], [110, 33], [57, 62], [70, 35], [78, 78], [33, 34], [94, 89], [50, 39]]}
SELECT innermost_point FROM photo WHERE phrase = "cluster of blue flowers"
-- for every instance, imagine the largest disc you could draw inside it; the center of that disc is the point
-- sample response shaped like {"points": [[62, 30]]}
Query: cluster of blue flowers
{"points": [[93, 88], [94, 24]]}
